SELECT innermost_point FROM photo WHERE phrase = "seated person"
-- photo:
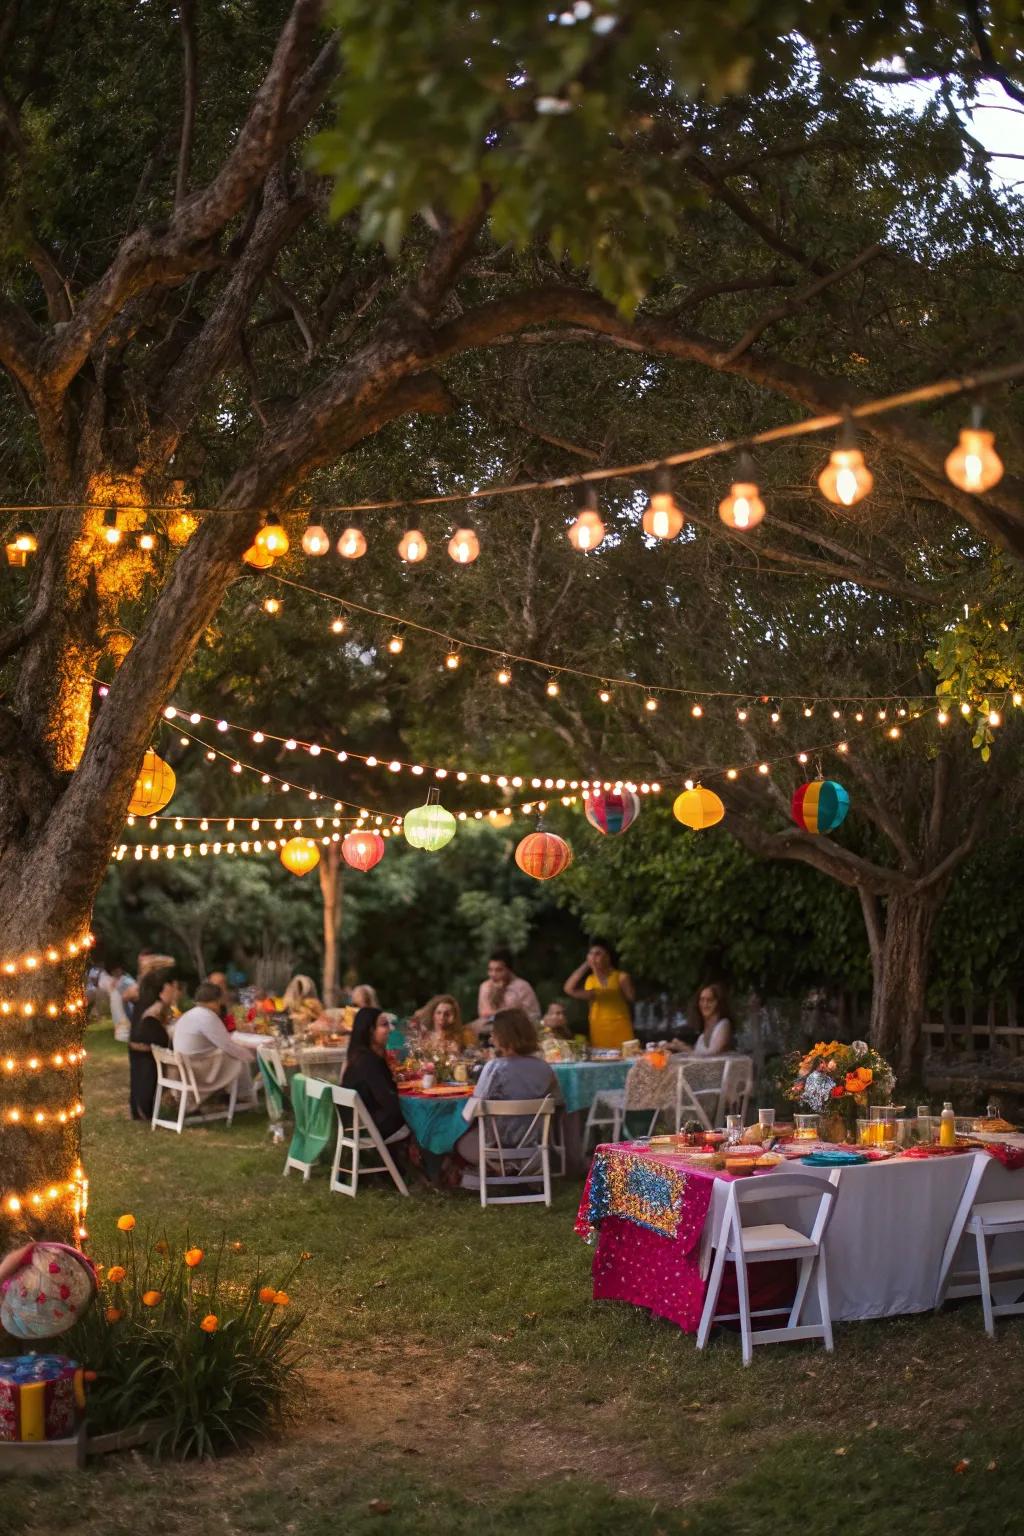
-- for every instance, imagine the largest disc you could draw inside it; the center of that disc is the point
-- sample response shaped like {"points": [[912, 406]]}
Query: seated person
{"points": [[709, 1012], [503, 990], [438, 1028], [301, 1003], [556, 1022], [516, 1072], [217, 1060], [159, 991], [368, 1071]]}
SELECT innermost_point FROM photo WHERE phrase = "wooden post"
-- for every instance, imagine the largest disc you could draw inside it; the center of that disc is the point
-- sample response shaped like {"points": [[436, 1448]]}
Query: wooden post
{"points": [[330, 889]]}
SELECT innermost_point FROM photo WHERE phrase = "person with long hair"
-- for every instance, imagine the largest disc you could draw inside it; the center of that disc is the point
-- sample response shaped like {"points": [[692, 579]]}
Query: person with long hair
{"points": [[159, 990], [368, 1071], [709, 1013], [439, 1027], [610, 994]]}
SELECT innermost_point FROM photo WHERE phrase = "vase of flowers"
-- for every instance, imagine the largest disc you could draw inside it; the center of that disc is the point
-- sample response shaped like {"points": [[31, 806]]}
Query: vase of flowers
{"points": [[838, 1080]]}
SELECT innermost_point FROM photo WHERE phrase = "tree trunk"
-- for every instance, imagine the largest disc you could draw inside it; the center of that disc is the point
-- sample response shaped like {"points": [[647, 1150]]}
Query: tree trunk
{"points": [[331, 889], [900, 939]]}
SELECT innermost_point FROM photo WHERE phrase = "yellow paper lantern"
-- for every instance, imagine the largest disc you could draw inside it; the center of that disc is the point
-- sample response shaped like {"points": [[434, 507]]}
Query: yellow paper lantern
{"points": [[299, 855], [258, 558], [698, 808], [154, 786]]}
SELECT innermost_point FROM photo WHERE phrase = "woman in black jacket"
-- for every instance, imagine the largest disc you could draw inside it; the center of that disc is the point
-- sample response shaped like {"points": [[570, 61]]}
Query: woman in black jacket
{"points": [[368, 1071]]}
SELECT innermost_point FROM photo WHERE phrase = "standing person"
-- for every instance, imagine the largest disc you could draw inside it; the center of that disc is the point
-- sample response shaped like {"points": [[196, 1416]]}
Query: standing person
{"points": [[610, 994], [216, 1060], [709, 1012], [504, 990], [368, 1071], [159, 990], [516, 1072]]}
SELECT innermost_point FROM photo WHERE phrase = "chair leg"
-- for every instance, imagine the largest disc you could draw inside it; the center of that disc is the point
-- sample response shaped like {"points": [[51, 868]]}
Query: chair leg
{"points": [[156, 1108], [232, 1101], [182, 1110], [545, 1157], [743, 1293], [707, 1317], [806, 1265], [823, 1302], [985, 1283]]}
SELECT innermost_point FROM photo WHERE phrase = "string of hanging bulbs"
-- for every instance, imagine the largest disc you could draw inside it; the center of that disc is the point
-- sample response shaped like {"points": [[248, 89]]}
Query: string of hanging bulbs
{"points": [[973, 465]]}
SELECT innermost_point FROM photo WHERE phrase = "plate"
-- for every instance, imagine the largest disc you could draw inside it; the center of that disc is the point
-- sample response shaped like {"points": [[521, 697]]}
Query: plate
{"points": [[834, 1159]]}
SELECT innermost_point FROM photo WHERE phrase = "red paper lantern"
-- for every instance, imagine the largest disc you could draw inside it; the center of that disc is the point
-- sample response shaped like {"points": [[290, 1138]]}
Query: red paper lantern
{"points": [[362, 849], [542, 855]]}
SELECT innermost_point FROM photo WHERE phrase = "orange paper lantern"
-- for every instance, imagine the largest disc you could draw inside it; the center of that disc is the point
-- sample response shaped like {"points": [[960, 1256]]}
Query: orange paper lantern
{"points": [[362, 849], [153, 787], [698, 808], [299, 855], [542, 855]]}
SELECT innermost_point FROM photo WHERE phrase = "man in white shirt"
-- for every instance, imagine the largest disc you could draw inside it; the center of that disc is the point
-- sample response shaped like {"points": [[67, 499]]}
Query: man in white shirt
{"points": [[504, 989], [217, 1061]]}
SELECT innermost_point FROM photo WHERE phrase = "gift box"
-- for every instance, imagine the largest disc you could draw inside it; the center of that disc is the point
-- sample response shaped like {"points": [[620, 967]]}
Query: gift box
{"points": [[40, 1397]]}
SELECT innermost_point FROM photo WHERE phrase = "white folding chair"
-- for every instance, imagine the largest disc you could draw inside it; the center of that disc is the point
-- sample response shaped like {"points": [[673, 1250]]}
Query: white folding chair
{"points": [[524, 1159], [270, 1055], [737, 1086], [358, 1136], [989, 1218], [174, 1075], [648, 1089], [744, 1245], [698, 1083]]}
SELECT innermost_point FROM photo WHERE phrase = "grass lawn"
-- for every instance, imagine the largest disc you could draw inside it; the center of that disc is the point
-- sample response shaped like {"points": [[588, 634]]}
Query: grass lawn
{"points": [[458, 1372]]}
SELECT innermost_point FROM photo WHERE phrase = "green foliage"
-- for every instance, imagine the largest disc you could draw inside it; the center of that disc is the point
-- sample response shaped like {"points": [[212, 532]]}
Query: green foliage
{"points": [[211, 1388], [978, 946], [683, 907], [979, 661]]}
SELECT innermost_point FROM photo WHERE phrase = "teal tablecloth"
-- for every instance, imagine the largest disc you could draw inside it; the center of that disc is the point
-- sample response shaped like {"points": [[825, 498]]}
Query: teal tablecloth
{"points": [[580, 1081], [436, 1124]]}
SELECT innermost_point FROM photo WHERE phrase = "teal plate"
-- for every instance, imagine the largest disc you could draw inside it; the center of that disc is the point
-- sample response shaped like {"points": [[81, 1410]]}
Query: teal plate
{"points": [[834, 1159]]}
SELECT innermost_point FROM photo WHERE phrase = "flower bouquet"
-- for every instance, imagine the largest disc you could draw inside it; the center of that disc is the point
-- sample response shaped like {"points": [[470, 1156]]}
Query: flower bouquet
{"points": [[836, 1080]]}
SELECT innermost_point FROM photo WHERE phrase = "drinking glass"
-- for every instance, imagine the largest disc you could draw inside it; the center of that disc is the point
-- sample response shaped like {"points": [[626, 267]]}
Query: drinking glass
{"points": [[806, 1127], [733, 1128], [766, 1120]]}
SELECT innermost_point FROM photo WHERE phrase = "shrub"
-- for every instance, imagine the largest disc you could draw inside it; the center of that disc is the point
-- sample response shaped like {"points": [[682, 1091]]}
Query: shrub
{"points": [[187, 1343]]}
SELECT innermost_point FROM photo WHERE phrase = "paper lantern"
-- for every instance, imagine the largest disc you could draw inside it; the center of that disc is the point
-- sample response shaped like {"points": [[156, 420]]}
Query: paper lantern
{"points": [[299, 855], [258, 558], [820, 806], [362, 849], [153, 787], [429, 826], [542, 855], [698, 808], [612, 811], [45, 1289]]}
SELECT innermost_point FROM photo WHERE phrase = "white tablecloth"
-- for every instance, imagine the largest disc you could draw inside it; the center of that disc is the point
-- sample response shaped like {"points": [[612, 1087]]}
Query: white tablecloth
{"points": [[890, 1227]]}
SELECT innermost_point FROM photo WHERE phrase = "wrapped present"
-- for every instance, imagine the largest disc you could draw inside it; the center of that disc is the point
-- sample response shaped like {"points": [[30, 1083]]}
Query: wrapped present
{"points": [[44, 1289], [40, 1397]]}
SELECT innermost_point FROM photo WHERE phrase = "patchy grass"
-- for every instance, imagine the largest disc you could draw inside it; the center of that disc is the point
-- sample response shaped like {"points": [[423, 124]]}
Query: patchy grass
{"points": [[459, 1373]]}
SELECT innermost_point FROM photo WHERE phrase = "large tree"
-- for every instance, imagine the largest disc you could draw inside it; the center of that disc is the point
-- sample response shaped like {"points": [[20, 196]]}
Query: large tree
{"points": [[182, 322]]}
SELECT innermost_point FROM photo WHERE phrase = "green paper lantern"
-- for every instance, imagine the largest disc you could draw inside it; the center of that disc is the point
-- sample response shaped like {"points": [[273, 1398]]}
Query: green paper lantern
{"points": [[429, 826]]}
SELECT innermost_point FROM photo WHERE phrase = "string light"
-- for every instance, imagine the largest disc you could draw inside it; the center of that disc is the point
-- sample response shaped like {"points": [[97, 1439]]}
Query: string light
{"points": [[29, 1009], [464, 546], [412, 546], [504, 675], [111, 531], [272, 605], [552, 690], [338, 626], [846, 479], [604, 694], [271, 538], [396, 644], [588, 530], [453, 659], [650, 704], [146, 538], [743, 508], [56, 1061], [52, 954], [17, 1115], [22, 543], [76, 1186], [663, 519], [974, 464], [352, 544], [315, 540]]}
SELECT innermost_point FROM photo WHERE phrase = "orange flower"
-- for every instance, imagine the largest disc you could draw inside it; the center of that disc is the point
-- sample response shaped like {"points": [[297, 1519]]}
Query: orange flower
{"points": [[281, 1298], [113, 1314], [116, 1273], [267, 1294], [125, 1223], [209, 1323], [193, 1256], [152, 1298], [859, 1081]]}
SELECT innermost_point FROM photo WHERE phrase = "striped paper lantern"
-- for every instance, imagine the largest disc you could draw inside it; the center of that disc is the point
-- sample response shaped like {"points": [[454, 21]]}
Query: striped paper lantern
{"points": [[429, 826], [542, 855], [612, 811], [362, 849], [698, 808], [820, 806]]}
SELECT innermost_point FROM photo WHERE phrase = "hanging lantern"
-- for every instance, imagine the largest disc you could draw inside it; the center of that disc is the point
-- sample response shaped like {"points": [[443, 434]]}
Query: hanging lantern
{"points": [[542, 855], [23, 543], [845, 479], [742, 508], [429, 826], [258, 558], [362, 849], [272, 539], [663, 519], [299, 855], [352, 544], [153, 787], [412, 546], [820, 806], [315, 540], [974, 464], [587, 531], [464, 546], [698, 808], [612, 811]]}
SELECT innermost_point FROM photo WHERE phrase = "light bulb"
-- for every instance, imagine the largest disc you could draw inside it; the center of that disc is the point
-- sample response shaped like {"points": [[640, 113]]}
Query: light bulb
{"points": [[396, 644], [552, 689], [743, 507], [650, 704], [452, 660], [846, 478], [942, 717], [352, 544], [587, 531], [147, 540], [111, 532], [697, 711], [315, 540], [24, 539], [464, 546], [1018, 699], [504, 676], [271, 538], [663, 519], [272, 605], [994, 717], [974, 464], [965, 709], [338, 626], [604, 694], [412, 546]]}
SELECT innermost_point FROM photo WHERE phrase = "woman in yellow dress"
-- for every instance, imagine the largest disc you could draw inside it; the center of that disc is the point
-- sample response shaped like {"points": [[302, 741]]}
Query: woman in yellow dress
{"points": [[609, 992]]}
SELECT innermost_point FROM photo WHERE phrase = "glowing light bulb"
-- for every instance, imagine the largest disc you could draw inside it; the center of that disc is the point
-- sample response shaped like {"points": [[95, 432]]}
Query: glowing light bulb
{"points": [[24, 540], [338, 626], [663, 519], [588, 530], [974, 464], [504, 676], [552, 690], [650, 704], [741, 715], [272, 539], [452, 660], [258, 558], [742, 508], [845, 479], [604, 694], [352, 544], [147, 540], [697, 711], [315, 540], [111, 532], [412, 546], [396, 645], [942, 717], [994, 717], [464, 546], [1018, 700], [965, 710], [272, 605]]}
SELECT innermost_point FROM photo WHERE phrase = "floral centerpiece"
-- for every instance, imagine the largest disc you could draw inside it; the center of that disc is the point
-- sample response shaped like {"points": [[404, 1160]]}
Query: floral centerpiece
{"points": [[837, 1080]]}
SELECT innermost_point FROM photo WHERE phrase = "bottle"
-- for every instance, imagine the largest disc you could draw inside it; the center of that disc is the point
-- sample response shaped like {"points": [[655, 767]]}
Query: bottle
{"points": [[923, 1124], [947, 1126], [992, 1110]]}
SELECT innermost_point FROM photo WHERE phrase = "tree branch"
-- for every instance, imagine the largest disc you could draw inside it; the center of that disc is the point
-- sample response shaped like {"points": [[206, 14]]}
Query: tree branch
{"points": [[187, 19], [783, 311]]}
